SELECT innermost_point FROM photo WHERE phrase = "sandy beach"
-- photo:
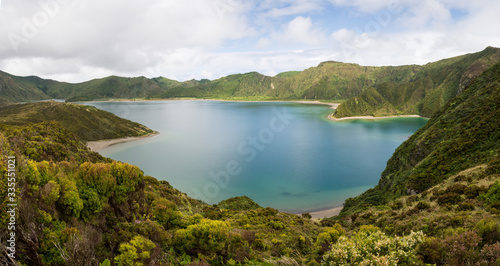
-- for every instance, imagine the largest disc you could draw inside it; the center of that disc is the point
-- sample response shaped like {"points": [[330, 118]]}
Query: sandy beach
{"points": [[326, 213], [369, 117], [101, 144]]}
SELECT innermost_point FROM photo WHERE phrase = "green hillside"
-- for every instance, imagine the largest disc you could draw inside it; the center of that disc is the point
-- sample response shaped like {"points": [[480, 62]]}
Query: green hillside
{"points": [[86, 122], [105, 88], [11, 90], [426, 92], [327, 81], [463, 135], [444, 181]]}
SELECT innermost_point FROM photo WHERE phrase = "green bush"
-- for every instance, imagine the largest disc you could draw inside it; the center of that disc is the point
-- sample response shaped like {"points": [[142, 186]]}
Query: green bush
{"points": [[397, 205], [461, 249], [208, 238], [136, 252], [456, 188], [489, 230], [238, 204], [165, 213], [472, 191], [432, 251], [372, 247], [422, 205], [328, 237], [492, 195], [450, 198], [465, 206]]}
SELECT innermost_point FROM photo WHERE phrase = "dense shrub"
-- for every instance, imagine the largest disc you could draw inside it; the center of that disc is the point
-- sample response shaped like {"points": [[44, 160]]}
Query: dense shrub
{"points": [[372, 247], [422, 205], [492, 195], [328, 237], [136, 252], [450, 198], [431, 250], [165, 213], [472, 191], [465, 206], [462, 178], [490, 254], [238, 204], [207, 237], [489, 230], [411, 199], [462, 249], [397, 205], [456, 188]]}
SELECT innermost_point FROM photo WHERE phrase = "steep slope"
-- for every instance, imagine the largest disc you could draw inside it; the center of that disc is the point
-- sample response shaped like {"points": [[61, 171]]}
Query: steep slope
{"points": [[327, 81], [428, 90], [12, 90], [462, 135], [110, 87], [86, 122], [30, 88]]}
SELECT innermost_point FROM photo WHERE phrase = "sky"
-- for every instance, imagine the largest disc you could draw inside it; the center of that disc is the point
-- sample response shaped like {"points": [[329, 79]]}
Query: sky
{"points": [[79, 40]]}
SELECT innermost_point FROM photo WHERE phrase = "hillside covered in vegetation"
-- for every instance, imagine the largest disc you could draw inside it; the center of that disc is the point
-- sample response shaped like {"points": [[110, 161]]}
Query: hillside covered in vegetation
{"points": [[426, 92], [86, 122]]}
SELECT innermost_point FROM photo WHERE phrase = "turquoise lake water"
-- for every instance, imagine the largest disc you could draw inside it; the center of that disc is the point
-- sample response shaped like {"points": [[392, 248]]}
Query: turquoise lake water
{"points": [[287, 156]]}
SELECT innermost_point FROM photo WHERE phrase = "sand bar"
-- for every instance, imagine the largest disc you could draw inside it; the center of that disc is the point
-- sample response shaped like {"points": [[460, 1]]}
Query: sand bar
{"points": [[101, 144], [326, 213], [369, 117]]}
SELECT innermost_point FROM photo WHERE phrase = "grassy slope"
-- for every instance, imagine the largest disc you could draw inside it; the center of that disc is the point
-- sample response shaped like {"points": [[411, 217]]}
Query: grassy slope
{"points": [[327, 81], [13, 90], [464, 134], [86, 122], [430, 88]]}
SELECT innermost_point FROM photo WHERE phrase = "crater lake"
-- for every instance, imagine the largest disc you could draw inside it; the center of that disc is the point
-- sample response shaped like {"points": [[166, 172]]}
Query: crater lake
{"points": [[284, 155]]}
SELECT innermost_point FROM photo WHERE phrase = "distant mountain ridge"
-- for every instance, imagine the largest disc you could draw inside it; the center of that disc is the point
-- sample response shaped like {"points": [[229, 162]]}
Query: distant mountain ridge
{"points": [[366, 90]]}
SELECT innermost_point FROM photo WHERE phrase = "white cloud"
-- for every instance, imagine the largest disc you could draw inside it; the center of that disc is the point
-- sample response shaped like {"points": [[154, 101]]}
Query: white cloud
{"points": [[300, 30], [211, 38], [432, 12]]}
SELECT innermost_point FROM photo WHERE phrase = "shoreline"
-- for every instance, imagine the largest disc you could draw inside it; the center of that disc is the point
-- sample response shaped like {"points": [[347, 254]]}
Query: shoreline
{"points": [[326, 213], [99, 145], [330, 116], [323, 213], [332, 105]]}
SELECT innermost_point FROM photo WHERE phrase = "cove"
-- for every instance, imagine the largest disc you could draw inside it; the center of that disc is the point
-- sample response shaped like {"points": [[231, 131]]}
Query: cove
{"points": [[283, 155]]}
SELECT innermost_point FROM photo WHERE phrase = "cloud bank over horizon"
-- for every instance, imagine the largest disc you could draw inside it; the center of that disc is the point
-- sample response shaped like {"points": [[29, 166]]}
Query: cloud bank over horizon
{"points": [[76, 40]]}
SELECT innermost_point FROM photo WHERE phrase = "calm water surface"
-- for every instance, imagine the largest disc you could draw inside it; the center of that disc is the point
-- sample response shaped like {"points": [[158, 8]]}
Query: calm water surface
{"points": [[283, 155]]}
